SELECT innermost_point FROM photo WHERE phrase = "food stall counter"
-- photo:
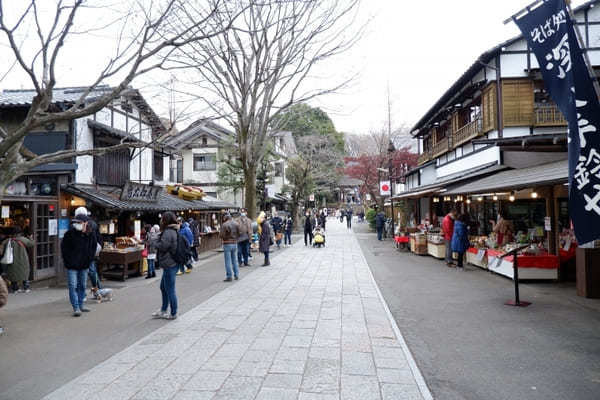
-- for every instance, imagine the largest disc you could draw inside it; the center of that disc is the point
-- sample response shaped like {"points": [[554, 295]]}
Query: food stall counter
{"points": [[543, 266]]}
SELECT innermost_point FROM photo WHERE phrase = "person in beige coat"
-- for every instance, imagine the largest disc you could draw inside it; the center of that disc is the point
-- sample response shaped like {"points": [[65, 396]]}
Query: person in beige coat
{"points": [[245, 225]]}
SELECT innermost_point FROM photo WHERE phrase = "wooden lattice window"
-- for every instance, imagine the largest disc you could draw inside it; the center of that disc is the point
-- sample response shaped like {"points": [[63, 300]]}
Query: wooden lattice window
{"points": [[517, 102], [488, 104]]}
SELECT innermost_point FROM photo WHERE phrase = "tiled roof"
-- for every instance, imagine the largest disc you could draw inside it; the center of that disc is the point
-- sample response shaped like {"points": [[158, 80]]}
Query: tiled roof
{"points": [[24, 97]]}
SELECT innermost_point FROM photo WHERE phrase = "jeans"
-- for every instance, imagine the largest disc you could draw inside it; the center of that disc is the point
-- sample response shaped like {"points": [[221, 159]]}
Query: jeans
{"points": [[77, 280], [287, 239], [93, 274], [230, 252], [310, 238], [460, 259], [167, 289], [243, 252], [194, 253], [15, 285], [449, 259], [379, 233], [151, 269], [349, 222]]}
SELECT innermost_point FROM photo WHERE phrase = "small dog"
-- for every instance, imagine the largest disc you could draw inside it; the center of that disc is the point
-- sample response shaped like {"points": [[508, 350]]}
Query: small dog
{"points": [[102, 295]]}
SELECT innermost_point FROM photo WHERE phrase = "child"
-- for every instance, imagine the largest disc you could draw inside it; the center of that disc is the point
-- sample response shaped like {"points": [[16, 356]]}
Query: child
{"points": [[318, 237]]}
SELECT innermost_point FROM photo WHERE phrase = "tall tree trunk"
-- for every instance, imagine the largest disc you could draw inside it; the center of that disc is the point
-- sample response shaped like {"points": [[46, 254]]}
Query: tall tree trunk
{"points": [[250, 189]]}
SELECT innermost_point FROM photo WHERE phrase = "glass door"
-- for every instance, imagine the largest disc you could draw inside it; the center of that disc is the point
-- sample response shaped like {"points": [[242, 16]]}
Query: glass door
{"points": [[45, 253]]}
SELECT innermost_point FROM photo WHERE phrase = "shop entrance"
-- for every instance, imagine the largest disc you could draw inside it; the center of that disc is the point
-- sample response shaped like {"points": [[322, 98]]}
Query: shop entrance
{"points": [[45, 231]]}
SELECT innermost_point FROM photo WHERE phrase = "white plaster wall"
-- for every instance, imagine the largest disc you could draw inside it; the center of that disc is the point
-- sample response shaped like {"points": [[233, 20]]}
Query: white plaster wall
{"points": [[519, 45], [491, 73], [515, 131], [493, 135], [103, 116], [513, 65], [428, 175], [593, 14], [84, 141], [471, 161], [191, 176], [521, 159]]}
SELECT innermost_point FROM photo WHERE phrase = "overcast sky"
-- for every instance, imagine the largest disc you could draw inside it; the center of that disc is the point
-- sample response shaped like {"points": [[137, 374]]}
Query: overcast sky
{"points": [[419, 48]]}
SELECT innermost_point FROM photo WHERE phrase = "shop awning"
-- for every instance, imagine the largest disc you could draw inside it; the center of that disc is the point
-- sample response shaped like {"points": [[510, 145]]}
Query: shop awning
{"points": [[109, 197], [447, 180], [216, 204], [516, 179]]}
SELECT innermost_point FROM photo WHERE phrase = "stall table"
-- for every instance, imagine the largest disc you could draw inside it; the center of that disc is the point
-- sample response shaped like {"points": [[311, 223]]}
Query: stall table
{"points": [[209, 241], [542, 267], [120, 263], [418, 244], [477, 257], [437, 250]]}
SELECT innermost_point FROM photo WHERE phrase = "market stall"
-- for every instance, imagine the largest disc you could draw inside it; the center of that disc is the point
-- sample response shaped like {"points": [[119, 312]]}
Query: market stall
{"points": [[435, 244], [532, 266], [418, 243], [122, 260]]}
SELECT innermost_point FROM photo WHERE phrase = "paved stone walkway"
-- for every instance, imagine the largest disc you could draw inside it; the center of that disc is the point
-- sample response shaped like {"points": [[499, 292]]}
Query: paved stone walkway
{"points": [[313, 326]]}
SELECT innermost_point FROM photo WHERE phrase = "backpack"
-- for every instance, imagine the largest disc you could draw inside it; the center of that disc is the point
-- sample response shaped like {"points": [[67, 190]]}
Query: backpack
{"points": [[183, 251]]}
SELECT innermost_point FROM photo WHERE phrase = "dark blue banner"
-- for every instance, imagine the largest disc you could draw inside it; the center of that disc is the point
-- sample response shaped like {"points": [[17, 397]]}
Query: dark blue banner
{"points": [[550, 34]]}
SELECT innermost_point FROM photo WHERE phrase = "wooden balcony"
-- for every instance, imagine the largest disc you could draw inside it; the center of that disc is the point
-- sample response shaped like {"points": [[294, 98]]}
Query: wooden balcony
{"points": [[467, 132], [441, 147], [424, 157], [548, 115]]}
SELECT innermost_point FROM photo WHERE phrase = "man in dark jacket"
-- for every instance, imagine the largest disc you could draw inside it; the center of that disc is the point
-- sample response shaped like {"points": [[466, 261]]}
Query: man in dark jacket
{"points": [[277, 224], [195, 229], [230, 232], [379, 224], [186, 232], [78, 249], [308, 229]]}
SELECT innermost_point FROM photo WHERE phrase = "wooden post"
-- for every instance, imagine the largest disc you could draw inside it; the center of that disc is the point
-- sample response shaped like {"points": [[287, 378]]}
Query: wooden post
{"points": [[551, 212]]}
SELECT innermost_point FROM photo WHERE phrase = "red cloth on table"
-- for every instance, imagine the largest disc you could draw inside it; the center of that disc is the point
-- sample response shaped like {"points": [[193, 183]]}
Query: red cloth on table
{"points": [[448, 227], [402, 239], [544, 261], [566, 256]]}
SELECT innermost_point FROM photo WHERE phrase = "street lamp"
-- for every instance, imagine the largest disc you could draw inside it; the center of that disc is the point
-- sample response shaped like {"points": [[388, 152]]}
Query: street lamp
{"points": [[391, 149]]}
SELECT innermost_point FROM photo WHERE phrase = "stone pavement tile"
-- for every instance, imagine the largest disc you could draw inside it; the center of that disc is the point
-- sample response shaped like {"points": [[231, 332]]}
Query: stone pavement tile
{"points": [[120, 390], [231, 350], [292, 353], [318, 396], [75, 391], [135, 353], [301, 332], [325, 353], [287, 367], [259, 355], [356, 343], [162, 387], [194, 395], [267, 393], [105, 373], [191, 361], [321, 376], [241, 339], [385, 342], [221, 364], [239, 388], [356, 387], [231, 322], [266, 343], [297, 341], [255, 369], [389, 352], [206, 380], [381, 331], [393, 391], [387, 375], [356, 363], [284, 381], [300, 323], [159, 338], [391, 363]]}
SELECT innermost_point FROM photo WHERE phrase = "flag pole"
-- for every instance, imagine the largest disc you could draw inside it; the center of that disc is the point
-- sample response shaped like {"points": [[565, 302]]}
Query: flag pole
{"points": [[522, 11]]}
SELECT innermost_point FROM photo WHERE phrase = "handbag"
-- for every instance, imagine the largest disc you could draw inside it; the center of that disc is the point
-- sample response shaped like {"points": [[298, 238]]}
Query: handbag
{"points": [[145, 253], [278, 236], [8, 257]]}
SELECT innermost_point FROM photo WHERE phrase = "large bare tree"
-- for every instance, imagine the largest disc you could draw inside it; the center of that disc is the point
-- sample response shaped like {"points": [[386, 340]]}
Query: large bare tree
{"points": [[35, 34], [262, 66]]}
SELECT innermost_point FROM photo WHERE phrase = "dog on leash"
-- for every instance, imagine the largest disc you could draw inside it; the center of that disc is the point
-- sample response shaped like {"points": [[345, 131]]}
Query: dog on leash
{"points": [[102, 295]]}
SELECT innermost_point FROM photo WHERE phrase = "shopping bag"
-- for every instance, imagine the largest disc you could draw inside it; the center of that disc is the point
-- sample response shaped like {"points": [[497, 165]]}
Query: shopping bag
{"points": [[8, 256]]}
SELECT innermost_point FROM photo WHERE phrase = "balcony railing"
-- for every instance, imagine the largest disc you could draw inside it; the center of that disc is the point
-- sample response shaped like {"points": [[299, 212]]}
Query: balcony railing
{"points": [[441, 147], [468, 132], [424, 157], [549, 115]]}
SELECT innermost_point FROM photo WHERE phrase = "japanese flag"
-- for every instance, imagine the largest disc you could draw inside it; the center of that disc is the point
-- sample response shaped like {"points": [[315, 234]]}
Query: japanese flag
{"points": [[385, 188]]}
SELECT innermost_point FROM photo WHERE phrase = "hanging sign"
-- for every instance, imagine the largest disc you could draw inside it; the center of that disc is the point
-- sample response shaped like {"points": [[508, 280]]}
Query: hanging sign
{"points": [[550, 34], [547, 224], [138, 192], [137, 228], [5, 211], [311, 197], [63, 227], [52, 227], [385, 188]]}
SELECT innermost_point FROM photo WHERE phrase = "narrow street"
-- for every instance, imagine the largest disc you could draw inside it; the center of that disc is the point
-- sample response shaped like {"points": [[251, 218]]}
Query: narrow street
{"points": [[312, 326], [469, 345]]}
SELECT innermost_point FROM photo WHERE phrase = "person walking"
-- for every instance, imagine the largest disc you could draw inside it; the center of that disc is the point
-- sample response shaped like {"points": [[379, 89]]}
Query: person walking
{"points": [[342, 216], [151, 238], [230, 233], [379, 224], [92, 229], [3, 298], [289, 226], [349, 218], [265, 241], [166, 245], [18, 271], [78, 249], [186, 232], [195, 229], [309, 226], [243, 243], [323, 220], [460, 239], [448, 230], [277, 224]]}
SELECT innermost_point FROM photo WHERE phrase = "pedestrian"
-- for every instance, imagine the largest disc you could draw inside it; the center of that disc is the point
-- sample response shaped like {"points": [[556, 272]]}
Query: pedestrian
{"points": [[379, 224], [243, 244], [349, 218], [92, 229], [501, 228], [195, 228], [78, 249], [265, 241], [342, 216], [3, 298], [186, 232], [308, 229], [277, 224], [323, 220], [460, 239], [18, 271], [289, 226], [166, 245], [230, 233], [151, 238], [448, 230]]}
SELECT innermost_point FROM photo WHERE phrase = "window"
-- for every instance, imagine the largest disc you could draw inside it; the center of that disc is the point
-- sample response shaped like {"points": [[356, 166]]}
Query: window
{"points": [[205, 162], [204, 141], [176, 172], [158, 167], [111, 168], [279, 169]]}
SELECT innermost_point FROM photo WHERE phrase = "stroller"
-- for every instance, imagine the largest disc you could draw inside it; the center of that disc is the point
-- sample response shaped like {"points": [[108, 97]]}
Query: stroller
{"points": [[318, 237]]}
